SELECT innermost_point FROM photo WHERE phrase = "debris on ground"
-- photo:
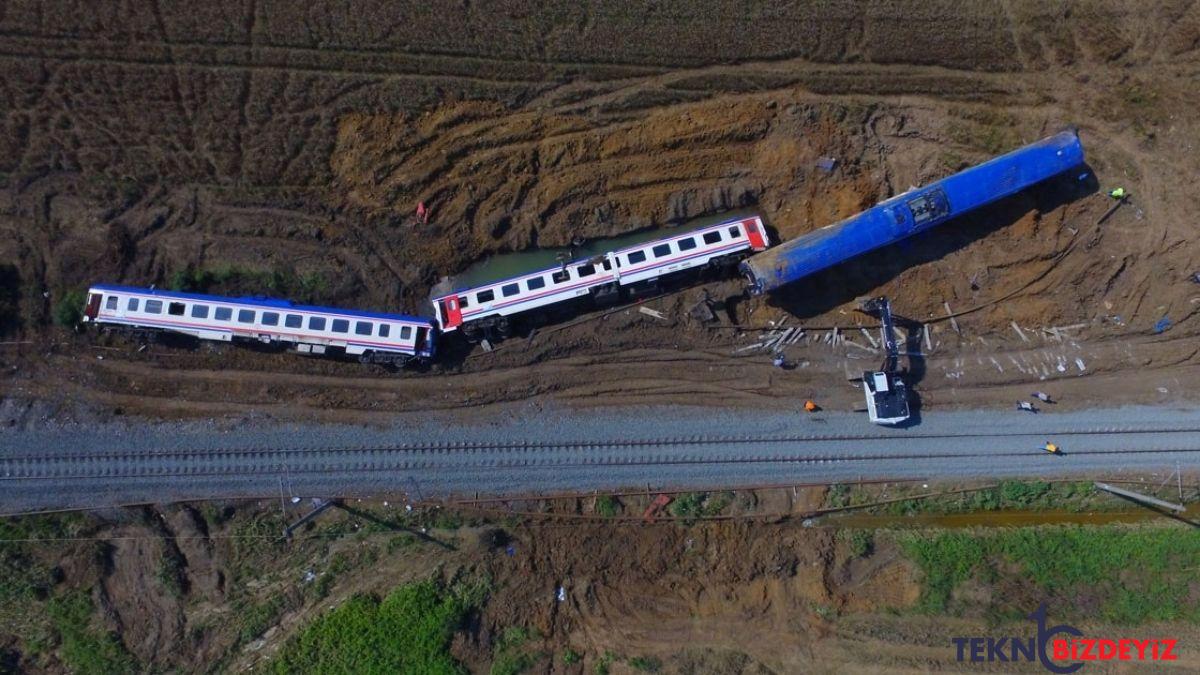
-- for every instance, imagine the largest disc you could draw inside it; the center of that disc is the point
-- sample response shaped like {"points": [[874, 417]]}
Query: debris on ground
{"points": [[652, 312]]}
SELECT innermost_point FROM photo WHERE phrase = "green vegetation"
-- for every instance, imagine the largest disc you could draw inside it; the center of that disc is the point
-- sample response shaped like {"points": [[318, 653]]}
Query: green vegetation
{"points": [[607, 506], [605, 663], [509, 658], [84, 649], [254, 618], [691, 506], [1123, 575], [862, 541], [171, 573], [68, 311], [409, 631], [570, 657], [22, 576], [1008, 495], [646, 664], [234, 279]]}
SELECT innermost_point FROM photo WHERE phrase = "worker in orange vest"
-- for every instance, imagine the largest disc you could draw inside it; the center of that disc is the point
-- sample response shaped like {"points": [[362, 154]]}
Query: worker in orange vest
{"points": [[422, 213], [810, 406]]}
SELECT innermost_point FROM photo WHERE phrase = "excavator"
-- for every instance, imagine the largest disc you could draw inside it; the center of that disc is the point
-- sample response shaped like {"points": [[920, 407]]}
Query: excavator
{"points": [[887, 395]]}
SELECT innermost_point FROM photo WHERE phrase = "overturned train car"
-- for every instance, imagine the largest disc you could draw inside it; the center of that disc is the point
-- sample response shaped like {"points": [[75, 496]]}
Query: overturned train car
{"points": [[914, 211]]}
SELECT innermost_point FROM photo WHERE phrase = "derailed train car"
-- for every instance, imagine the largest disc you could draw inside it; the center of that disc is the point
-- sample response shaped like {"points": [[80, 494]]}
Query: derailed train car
{"points": [[914, 211], [490, 308]]}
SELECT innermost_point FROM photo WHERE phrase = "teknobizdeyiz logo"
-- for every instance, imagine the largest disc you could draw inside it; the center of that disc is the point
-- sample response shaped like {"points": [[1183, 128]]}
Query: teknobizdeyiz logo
{"points": [[1075, 651]]}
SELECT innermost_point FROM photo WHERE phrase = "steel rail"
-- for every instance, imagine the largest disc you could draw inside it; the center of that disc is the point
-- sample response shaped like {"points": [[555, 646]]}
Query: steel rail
{"points": [[516, 446], [200, 464]]}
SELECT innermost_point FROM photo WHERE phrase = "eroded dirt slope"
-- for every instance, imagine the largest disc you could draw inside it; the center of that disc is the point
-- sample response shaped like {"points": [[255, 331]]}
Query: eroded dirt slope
{"points": [[286, 150]]}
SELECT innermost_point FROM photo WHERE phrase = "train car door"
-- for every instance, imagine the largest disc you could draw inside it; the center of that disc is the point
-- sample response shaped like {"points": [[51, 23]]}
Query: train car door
{"points": [[758, 242], [93, 306], [452, 311], [422, 334]]}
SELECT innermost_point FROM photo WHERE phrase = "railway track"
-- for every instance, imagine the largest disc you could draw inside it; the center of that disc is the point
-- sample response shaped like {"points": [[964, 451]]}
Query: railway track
{"points": [[716, 451]]}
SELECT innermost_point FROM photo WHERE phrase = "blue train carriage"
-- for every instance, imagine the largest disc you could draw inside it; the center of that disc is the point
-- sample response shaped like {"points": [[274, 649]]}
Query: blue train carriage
{"points": [[372, 337], [914, 211]]}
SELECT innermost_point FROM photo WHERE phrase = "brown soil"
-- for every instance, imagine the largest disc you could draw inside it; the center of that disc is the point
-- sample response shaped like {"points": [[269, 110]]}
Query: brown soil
{"points": [[741, 596], [143, 142]]}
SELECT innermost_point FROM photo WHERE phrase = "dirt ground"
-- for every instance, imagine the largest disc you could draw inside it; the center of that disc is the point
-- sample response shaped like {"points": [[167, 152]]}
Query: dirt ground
{"points": [[212, 588], [289, 149]]}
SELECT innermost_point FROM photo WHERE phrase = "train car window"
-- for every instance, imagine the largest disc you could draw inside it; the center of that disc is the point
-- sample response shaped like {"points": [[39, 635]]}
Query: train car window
{"points": [[560, 276], [926, 207], [406, 332], [110, 302], [585, 270], [712, 237], [510, 289], [199, 311], [607, 265], [636, 257], [536, 283], [293, 320], [686, 244], [384, 330], [462, 302], [245, 316], [734, 232], [223, 313], [270, 318], [341, 326], [485, 296], [154, 306], [175, 308], [363, 327], [661, 250], [132, 305], [316, 323]]}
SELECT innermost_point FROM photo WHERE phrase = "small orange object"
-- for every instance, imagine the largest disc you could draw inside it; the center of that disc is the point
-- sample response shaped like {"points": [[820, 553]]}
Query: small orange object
{"points": [[655, 507], [810, 406], [422, 212]]}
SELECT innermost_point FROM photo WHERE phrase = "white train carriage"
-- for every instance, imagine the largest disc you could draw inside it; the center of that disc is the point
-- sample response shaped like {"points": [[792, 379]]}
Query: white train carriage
{"points": [[373, 337], [486, 307]]}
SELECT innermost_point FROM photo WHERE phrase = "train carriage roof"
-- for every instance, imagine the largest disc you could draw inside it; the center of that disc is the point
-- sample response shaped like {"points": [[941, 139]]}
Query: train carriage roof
{"points": [[259, 301]]}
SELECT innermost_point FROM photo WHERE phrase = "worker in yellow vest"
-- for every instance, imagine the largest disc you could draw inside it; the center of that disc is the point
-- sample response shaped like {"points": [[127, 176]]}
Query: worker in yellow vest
{"points": [[1118, 193]]}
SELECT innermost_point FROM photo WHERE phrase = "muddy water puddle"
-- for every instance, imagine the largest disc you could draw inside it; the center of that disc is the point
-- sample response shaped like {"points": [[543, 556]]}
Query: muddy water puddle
{"points": [[1001, 519]]}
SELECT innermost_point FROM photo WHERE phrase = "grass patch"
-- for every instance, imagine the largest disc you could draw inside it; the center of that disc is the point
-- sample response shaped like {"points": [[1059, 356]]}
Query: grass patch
{"points": [[607, 506], [691, 506], [1122, 575], [84, 649], [571, 657], [605, 663], [409, 631], [234, 279], [254, 618], [170, 573], [861, 541], [1009, 495], [509, 656], [68, 311], [646, 664]]}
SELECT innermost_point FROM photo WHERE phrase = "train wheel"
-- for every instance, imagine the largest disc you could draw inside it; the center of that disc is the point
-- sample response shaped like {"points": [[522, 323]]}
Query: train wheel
{"points": [[471, 332]]}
